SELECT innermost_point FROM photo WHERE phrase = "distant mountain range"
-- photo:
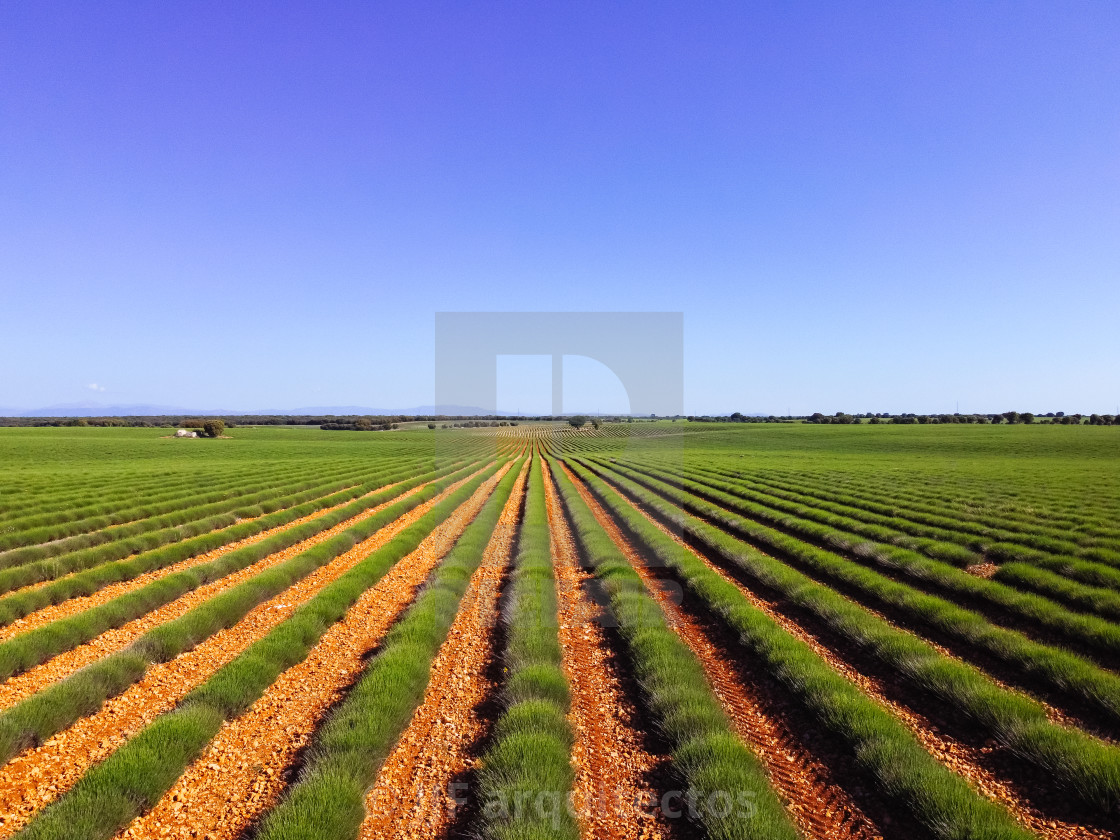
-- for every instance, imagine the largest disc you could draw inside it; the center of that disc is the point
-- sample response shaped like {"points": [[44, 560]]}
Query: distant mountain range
{"points": [[92, 409]]}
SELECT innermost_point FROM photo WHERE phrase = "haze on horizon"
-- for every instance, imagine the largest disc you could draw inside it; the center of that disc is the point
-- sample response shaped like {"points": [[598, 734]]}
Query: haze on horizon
{"points": [[858, 207]]}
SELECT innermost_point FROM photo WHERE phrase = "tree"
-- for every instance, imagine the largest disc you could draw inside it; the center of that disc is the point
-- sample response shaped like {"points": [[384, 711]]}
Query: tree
{"points": [[1026, 417], [214, 428], [431, 425], [577, 422]]}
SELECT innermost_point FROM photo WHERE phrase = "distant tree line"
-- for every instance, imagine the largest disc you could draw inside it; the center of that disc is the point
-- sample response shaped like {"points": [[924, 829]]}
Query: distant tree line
{"points": [[362, 424], [475, 424], [843, 418], [125, 422], [839, 417], [739, 417], [211, 427], [1008, 417]]}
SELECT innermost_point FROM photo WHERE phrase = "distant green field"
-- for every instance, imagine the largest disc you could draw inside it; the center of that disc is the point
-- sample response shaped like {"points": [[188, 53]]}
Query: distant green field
{"points": [[1031, 462]]}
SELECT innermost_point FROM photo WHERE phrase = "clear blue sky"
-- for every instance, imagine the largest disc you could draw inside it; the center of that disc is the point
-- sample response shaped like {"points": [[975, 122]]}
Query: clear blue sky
{"points": [[857, 206]]}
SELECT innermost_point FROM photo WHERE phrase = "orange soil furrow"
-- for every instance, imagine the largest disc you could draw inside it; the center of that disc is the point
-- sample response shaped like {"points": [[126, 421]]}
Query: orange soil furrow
{"points": [[127, 522], [73, 606], [133, 521], [241, 773], [412, 796], [130, 522], [59, 667], [964, 759], [819, 806], [37, 776], [613, 767], [1053, 713]]}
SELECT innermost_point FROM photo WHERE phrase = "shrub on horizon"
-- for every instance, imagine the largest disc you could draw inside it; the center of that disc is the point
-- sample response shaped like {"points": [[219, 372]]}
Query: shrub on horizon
{"points": [[214, 428]]}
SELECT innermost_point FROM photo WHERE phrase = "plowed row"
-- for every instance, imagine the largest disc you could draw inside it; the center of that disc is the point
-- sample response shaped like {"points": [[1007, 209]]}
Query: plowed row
{"points": [[737, 654]]}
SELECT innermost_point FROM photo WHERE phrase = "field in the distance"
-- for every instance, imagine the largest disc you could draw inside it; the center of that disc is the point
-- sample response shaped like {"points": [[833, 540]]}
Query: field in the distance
{"points": [[648, 630]]}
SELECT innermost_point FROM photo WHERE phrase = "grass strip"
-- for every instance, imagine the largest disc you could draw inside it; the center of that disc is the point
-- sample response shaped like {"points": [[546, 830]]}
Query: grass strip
{"points": [[715, 766], [1026, 531], [1064, 673], [935, 542], [192, 522], [153, 531], [37, 646], [110, 496], [529, 757], [995, 541], [977, 508], [59, 705], [89, 528], [1090, 632], [1099, 601], [137, 775], [1085, 766], [879, 744], [89, 581], [114, 489], [328, 801], [1012, 541], [1083, 571]]}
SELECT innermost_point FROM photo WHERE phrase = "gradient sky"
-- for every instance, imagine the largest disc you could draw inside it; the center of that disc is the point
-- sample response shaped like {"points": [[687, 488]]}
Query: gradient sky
{"points": [[857, 206]]}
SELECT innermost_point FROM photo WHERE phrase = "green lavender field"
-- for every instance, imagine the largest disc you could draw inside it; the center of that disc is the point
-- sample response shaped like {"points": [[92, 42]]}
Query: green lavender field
{"points": [[639, 629]]}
